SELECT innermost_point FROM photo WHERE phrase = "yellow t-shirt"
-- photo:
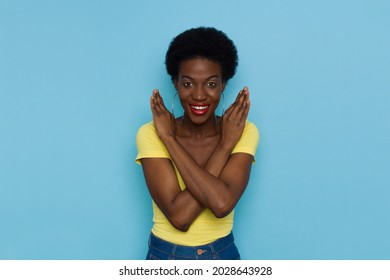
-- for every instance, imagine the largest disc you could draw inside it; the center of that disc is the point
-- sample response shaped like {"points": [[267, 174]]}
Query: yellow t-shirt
{"points": [[206, 227]]}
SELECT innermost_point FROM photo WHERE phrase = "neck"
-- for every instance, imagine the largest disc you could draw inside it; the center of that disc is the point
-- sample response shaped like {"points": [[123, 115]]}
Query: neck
{"points": [[190, 129]]}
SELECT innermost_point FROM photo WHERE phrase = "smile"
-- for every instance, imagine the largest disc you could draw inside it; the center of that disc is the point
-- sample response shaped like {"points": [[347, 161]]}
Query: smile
{"points": [[199, 109]]}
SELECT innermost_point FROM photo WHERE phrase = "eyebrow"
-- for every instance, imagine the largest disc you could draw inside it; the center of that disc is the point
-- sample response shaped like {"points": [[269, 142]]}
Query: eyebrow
{"points": [[208, 78]]}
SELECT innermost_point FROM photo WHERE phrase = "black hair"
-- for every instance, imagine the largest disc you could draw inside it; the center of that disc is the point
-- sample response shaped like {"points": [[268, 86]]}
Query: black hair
{"points": [[206, 42]]}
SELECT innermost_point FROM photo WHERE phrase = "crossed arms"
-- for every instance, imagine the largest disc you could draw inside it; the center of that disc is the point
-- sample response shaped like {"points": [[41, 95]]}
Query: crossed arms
{"points": [[218, 185]]}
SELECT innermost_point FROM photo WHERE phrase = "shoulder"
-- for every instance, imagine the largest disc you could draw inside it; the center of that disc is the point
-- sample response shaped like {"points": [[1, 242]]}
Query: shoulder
{"points": [[249, 140], [149, 143], [251, 130], [147, 132], [147, 128], [250, 126]]}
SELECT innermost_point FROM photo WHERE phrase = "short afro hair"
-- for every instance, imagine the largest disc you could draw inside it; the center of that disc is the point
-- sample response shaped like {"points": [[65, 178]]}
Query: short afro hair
{"points": [[206, 42]]}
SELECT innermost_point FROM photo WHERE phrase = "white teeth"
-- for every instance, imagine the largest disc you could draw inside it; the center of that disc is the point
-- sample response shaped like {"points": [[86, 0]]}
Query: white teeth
{"points": [[199, 107]]}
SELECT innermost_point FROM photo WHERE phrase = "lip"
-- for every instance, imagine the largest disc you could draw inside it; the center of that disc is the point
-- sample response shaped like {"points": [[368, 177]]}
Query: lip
{"points": [[199, 109]]}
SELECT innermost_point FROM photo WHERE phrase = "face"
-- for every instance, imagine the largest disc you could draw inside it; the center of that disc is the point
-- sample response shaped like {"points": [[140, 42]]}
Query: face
{"points": [[199, 85]]}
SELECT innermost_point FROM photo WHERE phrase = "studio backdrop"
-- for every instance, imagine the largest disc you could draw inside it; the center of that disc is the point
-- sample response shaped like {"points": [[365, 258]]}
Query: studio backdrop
{"points": [[75, 83]]}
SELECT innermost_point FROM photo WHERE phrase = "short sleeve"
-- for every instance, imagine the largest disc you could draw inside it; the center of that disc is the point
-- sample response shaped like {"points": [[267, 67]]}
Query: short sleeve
{"points": [[249, 140], [149, 144]]}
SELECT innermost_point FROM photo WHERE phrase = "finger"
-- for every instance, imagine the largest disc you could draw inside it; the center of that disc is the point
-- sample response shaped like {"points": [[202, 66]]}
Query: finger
{"points": [[246, 92], [246, 106], [245, 97], [155, 93], [161, 104], [239, 105], [158, 101], [246, 111], [240, 110], [159, 98], [234, 107], [238, 96], [245, 100], [151, 104], [153, 101], [228, 111]]}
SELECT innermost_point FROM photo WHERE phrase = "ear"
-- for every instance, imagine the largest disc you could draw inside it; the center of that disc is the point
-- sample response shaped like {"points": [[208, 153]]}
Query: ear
{"points": [[223, 86]]}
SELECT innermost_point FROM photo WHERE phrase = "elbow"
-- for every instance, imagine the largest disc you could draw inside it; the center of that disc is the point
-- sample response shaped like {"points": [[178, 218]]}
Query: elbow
{"points": [[223, 204], [179, 224], [221, 213], [181, 227], [222, 209]]}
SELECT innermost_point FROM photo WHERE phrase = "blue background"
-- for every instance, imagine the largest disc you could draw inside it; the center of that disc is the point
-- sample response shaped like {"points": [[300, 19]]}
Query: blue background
{"points": [[75, 81]]}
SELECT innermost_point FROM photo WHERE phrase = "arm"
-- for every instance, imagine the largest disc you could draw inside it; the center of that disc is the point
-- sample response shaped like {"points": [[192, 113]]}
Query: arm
{"points": [[179, 207], [218, 186], [219, 194], [233, 123]]}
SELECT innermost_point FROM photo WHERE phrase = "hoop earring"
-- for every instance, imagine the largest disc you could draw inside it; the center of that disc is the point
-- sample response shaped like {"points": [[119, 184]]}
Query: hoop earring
{"points": [[223, 103], [173, 104]]}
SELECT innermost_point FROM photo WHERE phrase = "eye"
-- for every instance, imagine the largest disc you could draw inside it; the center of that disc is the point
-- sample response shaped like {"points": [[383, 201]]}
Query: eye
{"points": [[211, 84], [187, 84]]}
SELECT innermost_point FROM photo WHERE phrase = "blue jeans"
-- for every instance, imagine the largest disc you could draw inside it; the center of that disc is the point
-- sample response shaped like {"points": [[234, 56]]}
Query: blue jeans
{"points": [[221, 249]]}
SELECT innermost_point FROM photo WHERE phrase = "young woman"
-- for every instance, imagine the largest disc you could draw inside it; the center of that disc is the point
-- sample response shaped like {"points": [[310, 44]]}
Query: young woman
{"points": [[197, 166]]}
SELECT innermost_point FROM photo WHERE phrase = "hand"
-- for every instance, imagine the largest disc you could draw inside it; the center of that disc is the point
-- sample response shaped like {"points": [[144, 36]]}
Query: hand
{"points": [[233, 120], [163, 120]]}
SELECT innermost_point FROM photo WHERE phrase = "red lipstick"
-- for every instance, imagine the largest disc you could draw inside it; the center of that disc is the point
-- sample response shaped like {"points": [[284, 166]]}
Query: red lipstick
{"points": [[199, 109]]}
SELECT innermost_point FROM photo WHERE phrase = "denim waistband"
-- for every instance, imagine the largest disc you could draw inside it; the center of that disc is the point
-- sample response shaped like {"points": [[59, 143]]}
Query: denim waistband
{"points": [[191, 251]]}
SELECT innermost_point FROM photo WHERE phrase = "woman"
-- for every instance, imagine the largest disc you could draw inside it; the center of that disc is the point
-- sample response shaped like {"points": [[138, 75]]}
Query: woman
{"points": [[197, 166]]}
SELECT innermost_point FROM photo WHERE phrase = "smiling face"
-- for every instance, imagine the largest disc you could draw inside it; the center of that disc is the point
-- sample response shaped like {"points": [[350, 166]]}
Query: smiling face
{"points": [[199, 85]]}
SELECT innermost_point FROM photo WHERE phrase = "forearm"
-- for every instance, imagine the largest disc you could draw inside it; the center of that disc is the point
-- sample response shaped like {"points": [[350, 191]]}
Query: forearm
{"points": [[205, 186], [218, 160], [183, 210], [179, 206]]}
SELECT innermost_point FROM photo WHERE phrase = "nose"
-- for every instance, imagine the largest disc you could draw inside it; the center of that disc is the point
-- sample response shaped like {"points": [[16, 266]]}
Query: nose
{"points": [[199, 94]]}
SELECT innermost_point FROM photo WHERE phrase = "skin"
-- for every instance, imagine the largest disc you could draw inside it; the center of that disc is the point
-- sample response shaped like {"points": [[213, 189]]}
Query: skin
{"points": [[200, 146]]}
